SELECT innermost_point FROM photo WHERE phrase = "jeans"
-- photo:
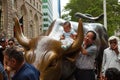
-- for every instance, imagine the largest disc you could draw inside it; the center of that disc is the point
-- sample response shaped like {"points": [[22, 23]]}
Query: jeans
{"points": [[82, 74]]}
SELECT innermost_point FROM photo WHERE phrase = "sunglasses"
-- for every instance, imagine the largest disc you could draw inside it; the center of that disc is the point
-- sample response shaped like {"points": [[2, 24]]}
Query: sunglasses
{"points": [[10, 43], [113, 42]]}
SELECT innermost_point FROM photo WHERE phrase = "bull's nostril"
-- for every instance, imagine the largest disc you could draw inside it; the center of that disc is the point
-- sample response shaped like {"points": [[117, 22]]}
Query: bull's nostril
{"points": [[53, 63]]}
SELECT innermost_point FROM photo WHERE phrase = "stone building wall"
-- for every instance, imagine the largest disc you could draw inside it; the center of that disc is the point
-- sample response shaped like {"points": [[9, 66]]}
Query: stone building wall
{"points": [[31, 12]]}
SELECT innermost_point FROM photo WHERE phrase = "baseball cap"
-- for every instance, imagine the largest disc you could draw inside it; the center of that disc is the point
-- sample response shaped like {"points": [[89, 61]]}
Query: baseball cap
{"points": [[2, 39]]}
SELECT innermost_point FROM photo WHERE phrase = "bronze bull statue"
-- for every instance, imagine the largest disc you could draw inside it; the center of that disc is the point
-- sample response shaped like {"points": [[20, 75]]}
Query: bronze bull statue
{"points": [[46, 54]]}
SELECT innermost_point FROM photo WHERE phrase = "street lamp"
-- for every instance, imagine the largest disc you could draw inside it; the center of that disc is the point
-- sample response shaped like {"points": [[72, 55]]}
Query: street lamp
{"points": [[105, 14], [0, 15]]}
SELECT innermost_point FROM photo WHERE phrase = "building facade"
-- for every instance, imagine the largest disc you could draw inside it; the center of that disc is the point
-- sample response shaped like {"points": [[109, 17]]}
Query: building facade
{"points": [[47, 11], [30, 10]]}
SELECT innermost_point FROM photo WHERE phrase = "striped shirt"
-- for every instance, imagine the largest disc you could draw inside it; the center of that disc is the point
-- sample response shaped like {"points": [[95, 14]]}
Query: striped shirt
{"points": [[87, 61]]}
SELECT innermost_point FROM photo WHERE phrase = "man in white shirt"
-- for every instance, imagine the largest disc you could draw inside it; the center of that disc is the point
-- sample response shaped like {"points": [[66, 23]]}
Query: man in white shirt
{"points": [[111, 55]]}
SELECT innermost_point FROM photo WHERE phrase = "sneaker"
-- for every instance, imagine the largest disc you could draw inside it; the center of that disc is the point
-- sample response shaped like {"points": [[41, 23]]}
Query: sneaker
{"points": [[64, 47]]}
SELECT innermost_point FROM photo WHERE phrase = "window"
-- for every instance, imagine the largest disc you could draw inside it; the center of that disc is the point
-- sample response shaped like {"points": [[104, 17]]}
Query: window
{"points": [[45, 14], [31, 13], [45, 6], [30, 1], [40, 7], [45, 19], [44, 1], [37, 5], [45, 25], [34, 3], [14, 3], [31, 31]]}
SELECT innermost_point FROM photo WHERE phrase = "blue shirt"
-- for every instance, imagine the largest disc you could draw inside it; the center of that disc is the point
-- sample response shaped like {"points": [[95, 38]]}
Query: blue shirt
{"points": [[3, 72], [27, 72]]}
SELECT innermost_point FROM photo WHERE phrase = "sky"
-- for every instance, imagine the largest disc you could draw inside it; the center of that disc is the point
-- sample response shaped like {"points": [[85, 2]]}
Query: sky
{"points": [[63, 3]]}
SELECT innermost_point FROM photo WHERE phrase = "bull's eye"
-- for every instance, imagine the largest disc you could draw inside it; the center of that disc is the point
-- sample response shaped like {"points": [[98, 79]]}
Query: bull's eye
{"points": [[53, 63]]}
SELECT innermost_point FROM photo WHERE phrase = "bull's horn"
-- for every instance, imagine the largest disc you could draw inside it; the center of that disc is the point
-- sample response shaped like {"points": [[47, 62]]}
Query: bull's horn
{"points": [[50, 28], [79, 40], [19, 34]]}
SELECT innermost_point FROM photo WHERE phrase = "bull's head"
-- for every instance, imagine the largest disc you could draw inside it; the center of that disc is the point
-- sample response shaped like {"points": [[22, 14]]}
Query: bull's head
{"points": [[45, 53]]}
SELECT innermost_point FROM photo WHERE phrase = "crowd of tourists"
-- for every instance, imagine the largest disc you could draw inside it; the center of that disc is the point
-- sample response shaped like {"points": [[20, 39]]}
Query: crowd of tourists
{"points": [[14, 67]]}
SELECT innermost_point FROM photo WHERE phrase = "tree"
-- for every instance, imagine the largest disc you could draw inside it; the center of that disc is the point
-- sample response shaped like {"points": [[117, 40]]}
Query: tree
{"points": [[95, 8], [113, 15], [86, 6]]}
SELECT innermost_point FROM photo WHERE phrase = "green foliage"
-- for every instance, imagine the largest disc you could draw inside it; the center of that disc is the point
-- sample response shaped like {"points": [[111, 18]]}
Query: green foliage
{"points": [[95, 8]]}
